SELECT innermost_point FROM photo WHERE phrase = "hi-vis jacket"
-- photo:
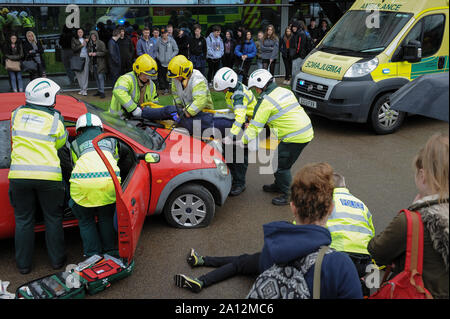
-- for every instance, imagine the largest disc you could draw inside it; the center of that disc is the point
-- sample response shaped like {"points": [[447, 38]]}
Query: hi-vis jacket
{"points": [[280, 110], [196, 96], [126, 94], [242, 101], [90, 183], [350, 223], [37, 132]]}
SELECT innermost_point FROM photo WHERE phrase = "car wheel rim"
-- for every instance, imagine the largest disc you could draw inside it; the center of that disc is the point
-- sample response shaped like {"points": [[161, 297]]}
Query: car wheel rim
{"points": [[387, 117], [188, 210]]}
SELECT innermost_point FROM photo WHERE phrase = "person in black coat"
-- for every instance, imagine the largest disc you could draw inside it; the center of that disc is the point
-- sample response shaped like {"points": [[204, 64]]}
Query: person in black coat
{"points": [[182, 40], [229, 58], [65, 40], [34, 51], [126, 51], [288, 51], [198, 49], [114, 59]]}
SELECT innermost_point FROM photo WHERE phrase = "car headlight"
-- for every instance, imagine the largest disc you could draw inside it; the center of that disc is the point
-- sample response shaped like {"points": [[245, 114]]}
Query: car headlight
{"points": [[362, 68], [222, 168]]}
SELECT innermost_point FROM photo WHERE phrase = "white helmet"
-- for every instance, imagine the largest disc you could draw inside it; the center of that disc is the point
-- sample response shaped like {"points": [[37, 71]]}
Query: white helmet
{"points": [[23, 14], [88, 120], [259, 78], [225, 78], [41, 91]]}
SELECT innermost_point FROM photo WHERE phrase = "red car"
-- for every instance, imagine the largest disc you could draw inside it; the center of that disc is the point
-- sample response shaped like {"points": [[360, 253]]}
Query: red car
{"points": [[181, 177]]}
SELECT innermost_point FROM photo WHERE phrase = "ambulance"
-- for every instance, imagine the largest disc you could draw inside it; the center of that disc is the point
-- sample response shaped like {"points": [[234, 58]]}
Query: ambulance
{"points": [[373, 50]]}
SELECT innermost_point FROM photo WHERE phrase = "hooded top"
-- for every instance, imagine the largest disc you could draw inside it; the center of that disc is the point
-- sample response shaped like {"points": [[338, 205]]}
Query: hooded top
{"points": [[285, 242]]}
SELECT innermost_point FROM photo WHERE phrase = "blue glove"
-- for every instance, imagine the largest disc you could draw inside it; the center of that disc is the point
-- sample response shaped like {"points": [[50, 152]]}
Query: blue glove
{"points": [[175, 116]]}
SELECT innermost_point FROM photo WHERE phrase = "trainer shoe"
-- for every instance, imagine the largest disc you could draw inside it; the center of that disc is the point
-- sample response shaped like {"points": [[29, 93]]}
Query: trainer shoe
{"points": [[281, 200], [194, 259], [184, 281]]}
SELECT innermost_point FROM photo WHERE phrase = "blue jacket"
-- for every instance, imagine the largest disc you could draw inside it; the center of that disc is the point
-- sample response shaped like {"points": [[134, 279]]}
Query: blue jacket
{"points": [[249, 50], [214, 47], [284, 242], [144, 46]]}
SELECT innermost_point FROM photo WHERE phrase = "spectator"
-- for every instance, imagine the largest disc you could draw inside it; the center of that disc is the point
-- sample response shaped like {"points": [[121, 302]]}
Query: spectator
{"points": [[155, 33], [258, 43], [104, 34], [126, 51], [214, 45], [182, 41], [269, 49], [145, 45], [311, 204], [135, 36], [198, 50], [65, 41], [300, 37], [245, 52], [97, 55], [166, 49], [169, 29], [110, 26], [313, 30], [79, 47], [114, 59], [240, 34], [431, 177], [323, 30], [229, 45], [13, 51], [34, 51], [128, 28], [287, 49], [44, 17]]}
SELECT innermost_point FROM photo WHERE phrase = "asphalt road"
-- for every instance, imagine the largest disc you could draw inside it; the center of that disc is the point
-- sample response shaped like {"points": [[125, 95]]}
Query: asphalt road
{"points": [[378, 170]]}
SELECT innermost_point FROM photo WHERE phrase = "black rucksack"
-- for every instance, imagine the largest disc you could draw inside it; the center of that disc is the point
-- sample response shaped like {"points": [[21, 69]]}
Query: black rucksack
{"points": [[303, 49]]}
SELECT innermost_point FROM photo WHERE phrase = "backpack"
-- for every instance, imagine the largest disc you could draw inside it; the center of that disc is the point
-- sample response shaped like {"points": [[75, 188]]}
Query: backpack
{"points": [[306, 47], [288, 281], [408, 284]]}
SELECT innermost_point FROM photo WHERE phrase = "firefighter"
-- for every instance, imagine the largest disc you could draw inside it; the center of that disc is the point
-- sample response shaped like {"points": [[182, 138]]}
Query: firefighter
{"points": [[35, 177], [242, 101], [190, 90], [92, 190], [279, 109], [27, 22]]}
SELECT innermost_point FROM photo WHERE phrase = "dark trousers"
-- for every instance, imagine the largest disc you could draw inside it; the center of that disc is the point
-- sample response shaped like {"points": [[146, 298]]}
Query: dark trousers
{"points": [[25, 196], [228, 60], [238, 164], [230, 266], [288, 153], [288, 66], [66, 55], [162, 77], [265, 65], [213, 67], [114, 73], [96, 241]]}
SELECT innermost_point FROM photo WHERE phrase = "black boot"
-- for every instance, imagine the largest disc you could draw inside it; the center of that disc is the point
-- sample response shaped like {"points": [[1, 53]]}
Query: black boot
{"points": [[281, 200], [272, 188], [237, 189]]}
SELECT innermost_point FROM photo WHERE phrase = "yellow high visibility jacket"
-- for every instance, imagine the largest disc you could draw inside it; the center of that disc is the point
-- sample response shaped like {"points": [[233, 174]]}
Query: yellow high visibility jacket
{"points": [[37, 132], [280, 110], [350, 223], [242, 101], [126, 94], [196, 96], [91, 184]]}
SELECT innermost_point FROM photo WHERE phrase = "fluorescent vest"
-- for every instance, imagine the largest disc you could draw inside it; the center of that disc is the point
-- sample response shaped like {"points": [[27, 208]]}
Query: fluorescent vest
{"points": [[91, 184], [350, 223], [196, 96], [126, 94], [242, 102], [37, 133], [281, 111]]}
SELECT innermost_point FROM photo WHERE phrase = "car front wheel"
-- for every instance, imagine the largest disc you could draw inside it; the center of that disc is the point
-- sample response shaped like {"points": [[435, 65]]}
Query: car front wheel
{"points": [[190, 206], [383, 119]]}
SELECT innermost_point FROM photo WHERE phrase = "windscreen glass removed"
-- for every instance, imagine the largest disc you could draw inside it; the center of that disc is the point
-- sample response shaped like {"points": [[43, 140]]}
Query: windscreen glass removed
{"points": [[363, 33]]}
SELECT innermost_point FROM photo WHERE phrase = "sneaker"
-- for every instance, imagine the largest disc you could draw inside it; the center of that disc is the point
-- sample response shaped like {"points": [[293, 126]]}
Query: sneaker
{"points": [[80, 93], [184, 281], [194, 259], [281, 200], [272, 188], [84, 93]]}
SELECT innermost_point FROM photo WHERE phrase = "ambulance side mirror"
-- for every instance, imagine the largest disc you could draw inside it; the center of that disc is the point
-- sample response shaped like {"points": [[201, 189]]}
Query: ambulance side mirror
{"points": [[151, 158], [412, 51]]}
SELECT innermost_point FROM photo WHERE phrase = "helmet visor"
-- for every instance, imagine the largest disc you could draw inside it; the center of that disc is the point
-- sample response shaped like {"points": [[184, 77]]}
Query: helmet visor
{"points": [[170, 74]]}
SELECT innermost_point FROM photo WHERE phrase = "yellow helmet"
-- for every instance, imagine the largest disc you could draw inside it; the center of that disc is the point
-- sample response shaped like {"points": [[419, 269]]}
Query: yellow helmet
{"points": [[5, 11], [179, 66], [145, 64]]}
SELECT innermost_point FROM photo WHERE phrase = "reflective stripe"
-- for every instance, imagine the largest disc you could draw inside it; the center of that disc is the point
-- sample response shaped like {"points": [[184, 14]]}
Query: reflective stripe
{"points": [[237, 124], [285, 96], [239, 106], [307, 127], [284, 111], [128, 104], [193, 107], [37, 136], [135, 86], [257, 124], [199, 92], [63, 136], [54, 128], [93, 175], [236, 93], [120, 87], [275, 103], [343, 215], [352, 228], [42, 168]]}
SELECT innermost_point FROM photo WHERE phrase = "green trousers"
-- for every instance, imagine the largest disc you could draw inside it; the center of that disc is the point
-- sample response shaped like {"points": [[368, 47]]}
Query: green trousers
{"points": [[26, 195], [288, 153], [239, 164], [96, 240]]}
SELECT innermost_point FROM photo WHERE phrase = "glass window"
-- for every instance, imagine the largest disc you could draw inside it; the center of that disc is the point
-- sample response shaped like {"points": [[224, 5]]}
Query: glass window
{"points": [[433, 32], [352, 35]]}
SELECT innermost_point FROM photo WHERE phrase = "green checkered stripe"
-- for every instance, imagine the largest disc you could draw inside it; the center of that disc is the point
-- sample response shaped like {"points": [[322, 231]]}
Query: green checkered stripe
{"points": [[92, 175]]}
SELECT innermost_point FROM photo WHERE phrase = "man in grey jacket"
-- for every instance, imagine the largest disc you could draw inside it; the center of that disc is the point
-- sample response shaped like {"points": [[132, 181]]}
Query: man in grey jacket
{"points": [[166, 49]]}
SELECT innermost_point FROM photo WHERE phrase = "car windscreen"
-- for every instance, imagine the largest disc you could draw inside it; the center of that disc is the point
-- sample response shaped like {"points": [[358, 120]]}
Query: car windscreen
{"points": [[362, 33], [146, 137]]}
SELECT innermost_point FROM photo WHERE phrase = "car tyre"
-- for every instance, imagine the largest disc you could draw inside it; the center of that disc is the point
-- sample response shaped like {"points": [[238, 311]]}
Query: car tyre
{"points": [[383, 119], [190, 206]]}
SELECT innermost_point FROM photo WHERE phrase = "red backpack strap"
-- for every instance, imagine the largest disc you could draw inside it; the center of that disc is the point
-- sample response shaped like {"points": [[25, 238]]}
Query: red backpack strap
{"points": [[299, 40]]}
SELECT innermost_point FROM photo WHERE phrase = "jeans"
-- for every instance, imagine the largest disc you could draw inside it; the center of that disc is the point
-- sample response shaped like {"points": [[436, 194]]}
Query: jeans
{"points": [[16, 81], [100, 79]]}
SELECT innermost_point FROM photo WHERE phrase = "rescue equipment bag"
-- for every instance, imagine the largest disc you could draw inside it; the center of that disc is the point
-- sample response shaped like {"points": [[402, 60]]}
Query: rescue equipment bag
{"points": [[408, 284]]}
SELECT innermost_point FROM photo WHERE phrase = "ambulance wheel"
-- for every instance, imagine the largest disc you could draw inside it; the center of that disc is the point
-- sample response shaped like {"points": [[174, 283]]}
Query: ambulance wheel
{"points": [[383, 119], [190, 206]]}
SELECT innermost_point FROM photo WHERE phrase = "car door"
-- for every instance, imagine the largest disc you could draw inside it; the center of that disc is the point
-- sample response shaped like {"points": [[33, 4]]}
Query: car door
{"points": [[132, 194]]}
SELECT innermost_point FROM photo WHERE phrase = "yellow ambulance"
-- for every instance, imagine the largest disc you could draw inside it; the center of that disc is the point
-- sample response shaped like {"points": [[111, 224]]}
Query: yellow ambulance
{"points": [[373, 50]]}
